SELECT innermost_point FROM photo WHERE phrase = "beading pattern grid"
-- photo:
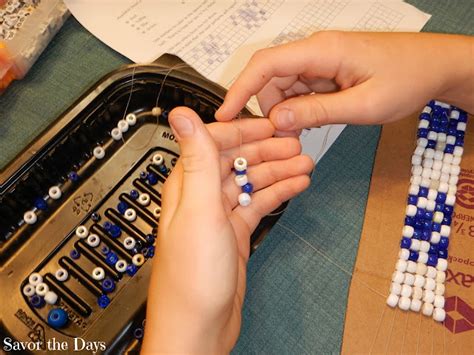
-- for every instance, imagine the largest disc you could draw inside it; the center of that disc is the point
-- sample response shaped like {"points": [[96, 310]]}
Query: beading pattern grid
{"points": [[316, 16], [379, 18], [230, 34]]}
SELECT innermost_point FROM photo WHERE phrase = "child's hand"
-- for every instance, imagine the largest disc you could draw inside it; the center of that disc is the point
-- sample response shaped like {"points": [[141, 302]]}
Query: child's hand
{"points": [[359, 78], [199, 272]]}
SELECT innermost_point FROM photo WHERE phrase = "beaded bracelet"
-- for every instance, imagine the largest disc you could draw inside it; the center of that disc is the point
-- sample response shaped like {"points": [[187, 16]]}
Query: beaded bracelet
{"points": [[418, 280]]}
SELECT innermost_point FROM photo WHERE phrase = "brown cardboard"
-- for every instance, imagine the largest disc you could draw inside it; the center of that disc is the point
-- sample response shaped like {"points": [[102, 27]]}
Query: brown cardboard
{"points": [[373, 327]]}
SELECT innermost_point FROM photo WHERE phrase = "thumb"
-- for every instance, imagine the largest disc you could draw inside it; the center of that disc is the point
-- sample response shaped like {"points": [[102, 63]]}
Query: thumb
{"points": [[347, 106], [199, 158]]}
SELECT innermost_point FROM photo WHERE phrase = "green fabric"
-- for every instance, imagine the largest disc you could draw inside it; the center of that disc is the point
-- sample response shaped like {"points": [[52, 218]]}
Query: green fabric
{"points": [[299, 277]]}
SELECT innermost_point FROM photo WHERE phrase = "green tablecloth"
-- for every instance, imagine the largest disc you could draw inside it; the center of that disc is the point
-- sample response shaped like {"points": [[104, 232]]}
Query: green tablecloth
{"points": [[296, 298]]}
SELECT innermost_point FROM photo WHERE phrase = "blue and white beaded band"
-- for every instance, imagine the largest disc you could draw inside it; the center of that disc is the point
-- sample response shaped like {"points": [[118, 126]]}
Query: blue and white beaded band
{"points": [[418, 280]]}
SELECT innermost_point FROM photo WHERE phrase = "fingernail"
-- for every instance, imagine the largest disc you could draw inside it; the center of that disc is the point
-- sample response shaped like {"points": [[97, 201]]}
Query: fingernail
{"points": [[285, 118], [182, 126]]}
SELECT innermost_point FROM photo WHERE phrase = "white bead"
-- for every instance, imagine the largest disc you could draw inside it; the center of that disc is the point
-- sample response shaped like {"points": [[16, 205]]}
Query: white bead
{"points": [[241, 180], [99, 152], [116, 134], [419, 281], [438, 155], [156, 111], [443, 187], [431, 205], [130, 214], [41, 289], [244, 199], [35, 279], [157, 212], [422, 142], [450, 200], [429, 153], [444, 177], [431, 272], [442, 104], [157, 159], [438, 217], [428, 296], [424, 246], [406, 291], [415, 245], [98, 273], [61, 274], [395, 288], [122, 125], [440, 277], [414, 189], [411, 210], [453, 180], [55, 192], [442, 137], [82, 232], [30, 217], [439, 289], [416, 160], [438, 301], [138, 259], [456, 161], [440, 146], [437, 165], [425, 182], [417, 293], [439, 315], [454, 114], [461, 126], [51, 297], [144, 199], [398, 277], [432, 136], [422, 201], [428, 163], [422, 257], [415, 305], [121, 265], [392, 300], [419, 151], [415, 180], [430, 284], [93, 240], [416, 170], [408, 231], [426, 172], [411, 266], [403, 254], [240, 164], [427, 109], [452, 189], [129, 243], [435, 237], [421, 269], [404, 303], [29, 290], [442, 264], [131, 119], [423, 124], [427, 309], [409, 279], [432, 194], [450, 140], [435, 175], [455, 170], [445, 230], [448, 158], [445, 170]]}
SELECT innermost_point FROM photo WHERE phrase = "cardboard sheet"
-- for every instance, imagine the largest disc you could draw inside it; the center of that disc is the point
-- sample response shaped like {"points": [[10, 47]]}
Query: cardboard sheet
{"points": [[373, 327]]}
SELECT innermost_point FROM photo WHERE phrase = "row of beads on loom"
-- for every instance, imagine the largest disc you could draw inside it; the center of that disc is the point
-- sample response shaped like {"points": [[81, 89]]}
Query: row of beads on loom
{"points": [[418, 280]]}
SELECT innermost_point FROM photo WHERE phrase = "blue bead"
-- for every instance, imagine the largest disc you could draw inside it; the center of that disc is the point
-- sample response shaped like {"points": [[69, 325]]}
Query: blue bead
{"points": [[105, 249], [95, 217], [115, 231], [442, 254], [135, 251], [451, 131], [418, 224], [107, 225], [420, 212], [248, 188], [443, 243], [143, 175], [111, 258], [413, 256], [131, 269], [432, 260], [417, 234], [449, 149], [122, 207], [423, 191], [37, 301], [165, 114], [243, 172], [163, 169], [425, 235], [441, 197], [138, 333], [431, 144], [422, 133], [151, 252], [412, 200], [428, 216], [439, 207], [462, 116], [459, 134], [144, 251], [41, 204], [150, 238], [410, 221], [103, 301], [436, 227], [447, 220], [427, 224], [134, 194], [57, 318], [459, 142], [152, 179], [73, 176], [448, 210], [74, 254], [405, 243], [425, 116], [108, 285], [433, 249]]}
